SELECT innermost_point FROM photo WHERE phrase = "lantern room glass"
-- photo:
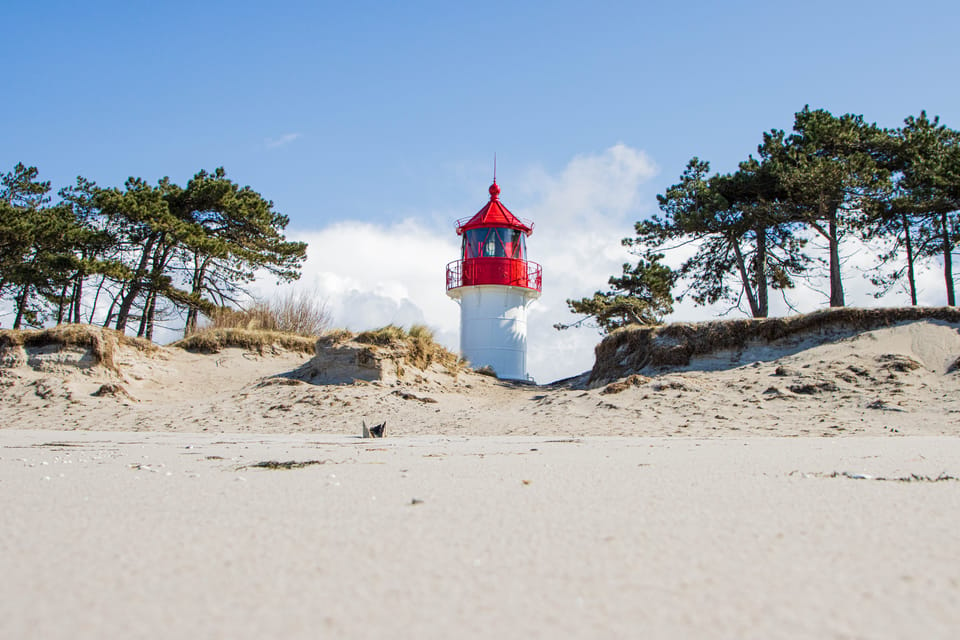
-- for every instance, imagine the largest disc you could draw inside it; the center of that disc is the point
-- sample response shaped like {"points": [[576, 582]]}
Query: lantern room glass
{"points": [[494, 242]]}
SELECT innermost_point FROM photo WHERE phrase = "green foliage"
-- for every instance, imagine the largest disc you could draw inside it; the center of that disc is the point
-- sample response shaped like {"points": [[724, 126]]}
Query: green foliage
{"points": [[830, 168], [743, 227], [37, 241], [919, 211], [149, 250], [830, 176], [641, 295]]}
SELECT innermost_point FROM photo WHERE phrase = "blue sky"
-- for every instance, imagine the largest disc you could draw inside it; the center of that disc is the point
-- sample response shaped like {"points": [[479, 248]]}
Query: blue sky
{"points": [[380, 120]]}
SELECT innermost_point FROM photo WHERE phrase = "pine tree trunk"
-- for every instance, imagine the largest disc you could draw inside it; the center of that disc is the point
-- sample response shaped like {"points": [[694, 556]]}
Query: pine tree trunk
{"points": [[745, 280], [113, 305], [77, 295], [760, 273], [948, 260], [146, 316], [151, 314], [96, 298], [911, 276], [142, 329], [21, 305], [61, 304], [193, 314], [836, 284], [160, 256], [123, 314], [136, 284], [191, 324]]}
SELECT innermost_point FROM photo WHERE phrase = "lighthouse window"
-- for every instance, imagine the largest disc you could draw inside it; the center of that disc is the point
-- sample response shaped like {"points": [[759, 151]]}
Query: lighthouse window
{"points": [[494, 243], [513, 245]]}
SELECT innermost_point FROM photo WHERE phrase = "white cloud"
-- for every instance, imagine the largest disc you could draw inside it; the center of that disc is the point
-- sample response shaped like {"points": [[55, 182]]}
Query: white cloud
{"points": [[373, 275], [285, 139], [580, 215]]}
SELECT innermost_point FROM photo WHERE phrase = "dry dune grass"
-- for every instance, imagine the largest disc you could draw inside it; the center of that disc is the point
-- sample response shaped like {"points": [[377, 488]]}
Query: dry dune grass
{"points": [[424, 350], [415, 346], [259, 340], [383, 337], [300, 312], [101, 342], [289, 321], [334, 337], [635, 348]]}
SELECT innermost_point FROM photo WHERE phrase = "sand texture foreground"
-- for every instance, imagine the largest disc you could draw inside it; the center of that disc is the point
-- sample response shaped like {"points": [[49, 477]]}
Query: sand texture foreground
{"points": [[177, 535], [794, 479]]}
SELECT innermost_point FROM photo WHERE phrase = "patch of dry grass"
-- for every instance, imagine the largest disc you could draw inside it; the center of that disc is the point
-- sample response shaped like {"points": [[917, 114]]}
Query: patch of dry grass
{"points": [[334, 337], [631, 349], [416, 346], [299, 312], [259, 340], [383, 337], [424, 350], [101, 342]]}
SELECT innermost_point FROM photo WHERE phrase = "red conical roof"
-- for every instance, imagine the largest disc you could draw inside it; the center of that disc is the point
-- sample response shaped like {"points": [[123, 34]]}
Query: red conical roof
{"points": [[494, 214]]}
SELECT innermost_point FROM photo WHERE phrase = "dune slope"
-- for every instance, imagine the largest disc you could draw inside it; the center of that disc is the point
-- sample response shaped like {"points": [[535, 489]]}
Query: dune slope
{"points": [[898, 378]]}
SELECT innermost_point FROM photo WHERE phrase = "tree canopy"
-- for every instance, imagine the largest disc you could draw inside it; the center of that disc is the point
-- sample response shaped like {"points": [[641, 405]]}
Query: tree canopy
{"points": [[756, 229], [146, 251], [641, 295]]}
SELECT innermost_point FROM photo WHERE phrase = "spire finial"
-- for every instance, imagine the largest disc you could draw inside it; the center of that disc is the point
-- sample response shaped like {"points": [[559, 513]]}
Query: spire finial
{"points": [[494, 189]]}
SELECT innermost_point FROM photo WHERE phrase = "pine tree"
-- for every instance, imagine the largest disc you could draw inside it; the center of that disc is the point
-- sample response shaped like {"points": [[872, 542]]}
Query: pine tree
{"points": [[35, 238], [235, 234], [828, 170], [641, 295], [743, 230]]}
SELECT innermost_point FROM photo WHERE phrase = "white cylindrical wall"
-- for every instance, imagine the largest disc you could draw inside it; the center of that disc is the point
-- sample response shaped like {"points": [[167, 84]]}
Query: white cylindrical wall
{"points": [[493, 328]]}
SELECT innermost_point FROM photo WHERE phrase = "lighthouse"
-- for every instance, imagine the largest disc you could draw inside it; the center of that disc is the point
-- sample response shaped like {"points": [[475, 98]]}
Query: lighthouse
{"points": [[494, 283]]}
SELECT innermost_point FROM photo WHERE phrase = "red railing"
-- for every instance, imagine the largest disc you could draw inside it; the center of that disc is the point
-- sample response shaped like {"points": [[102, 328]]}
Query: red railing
{"points": [[503, 271]]}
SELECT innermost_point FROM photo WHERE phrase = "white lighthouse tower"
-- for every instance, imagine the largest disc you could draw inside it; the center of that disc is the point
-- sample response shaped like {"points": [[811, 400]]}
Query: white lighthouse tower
{"points": [[494, 283]]}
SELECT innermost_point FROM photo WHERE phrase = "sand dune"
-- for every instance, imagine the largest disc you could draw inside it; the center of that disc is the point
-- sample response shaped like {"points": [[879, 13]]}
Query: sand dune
{"points": [[894, 379]]}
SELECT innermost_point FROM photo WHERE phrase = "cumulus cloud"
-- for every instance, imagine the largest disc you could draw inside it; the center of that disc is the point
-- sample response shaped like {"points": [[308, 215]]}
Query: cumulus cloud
{"points": [[580, 214], [373, 275]]}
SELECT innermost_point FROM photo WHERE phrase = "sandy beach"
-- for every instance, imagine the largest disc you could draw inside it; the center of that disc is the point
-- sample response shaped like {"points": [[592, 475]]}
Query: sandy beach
{"points": [[801, 490], [158, 535]]}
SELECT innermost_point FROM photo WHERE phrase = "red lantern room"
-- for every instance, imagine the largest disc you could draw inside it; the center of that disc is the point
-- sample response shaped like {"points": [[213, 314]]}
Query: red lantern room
{"points": [[494, 250]]}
